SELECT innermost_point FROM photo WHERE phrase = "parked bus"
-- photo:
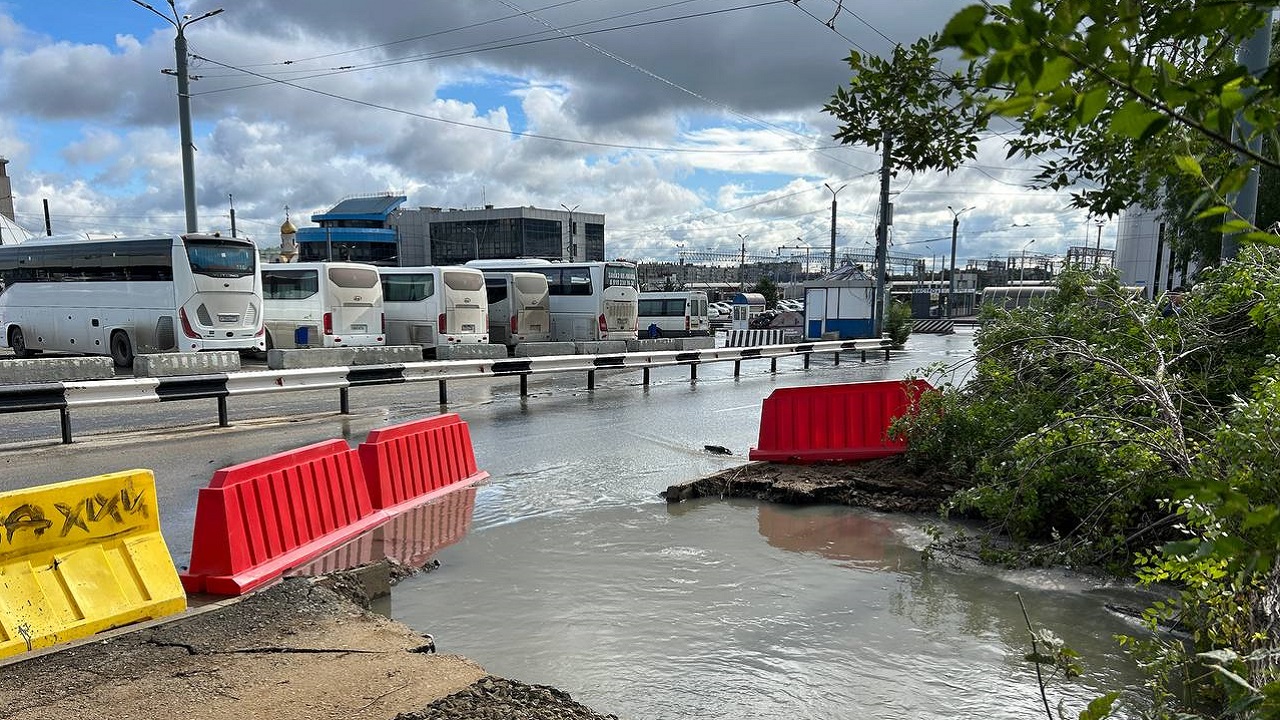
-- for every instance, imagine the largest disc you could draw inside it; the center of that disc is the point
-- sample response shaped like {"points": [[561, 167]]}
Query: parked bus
{"points": [[519, 307], [435, 306], [123, 296], [589, 300], [322, 304], [673, 314]]}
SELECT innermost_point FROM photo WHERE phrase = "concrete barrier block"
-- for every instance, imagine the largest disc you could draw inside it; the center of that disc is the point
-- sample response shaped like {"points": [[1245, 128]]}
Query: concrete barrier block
{"points": [[171, 364], [23, 372], [705, 342], [309, 358], [601, 347], [544, 349], [475, 351], [651, 344], [386, 354]]}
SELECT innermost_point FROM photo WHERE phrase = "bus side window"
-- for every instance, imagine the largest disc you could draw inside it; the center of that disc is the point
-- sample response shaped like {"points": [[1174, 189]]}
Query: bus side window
{"points": [[579, 281]]}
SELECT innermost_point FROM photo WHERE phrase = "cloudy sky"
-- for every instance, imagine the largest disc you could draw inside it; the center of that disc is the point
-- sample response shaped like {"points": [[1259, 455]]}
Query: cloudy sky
{"points": [[688, 124]]}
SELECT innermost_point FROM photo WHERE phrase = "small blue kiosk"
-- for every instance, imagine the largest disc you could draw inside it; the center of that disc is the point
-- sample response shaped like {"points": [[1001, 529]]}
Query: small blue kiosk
{"points": [[840, 305]]}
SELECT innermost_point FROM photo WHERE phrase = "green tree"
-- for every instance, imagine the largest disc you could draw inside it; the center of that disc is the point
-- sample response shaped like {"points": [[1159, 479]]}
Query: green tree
{"points": [[769, 289], [1110, 98]]}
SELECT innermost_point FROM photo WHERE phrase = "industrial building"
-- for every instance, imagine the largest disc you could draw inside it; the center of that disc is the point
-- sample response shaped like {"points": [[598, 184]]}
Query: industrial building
{"points": [[375, 229]]}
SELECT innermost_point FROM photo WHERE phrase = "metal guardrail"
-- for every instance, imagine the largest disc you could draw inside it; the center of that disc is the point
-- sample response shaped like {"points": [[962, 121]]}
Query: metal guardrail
{"points": [[64, 396]]}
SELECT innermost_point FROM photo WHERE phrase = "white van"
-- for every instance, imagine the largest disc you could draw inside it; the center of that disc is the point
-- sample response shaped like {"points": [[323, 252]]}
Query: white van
{"points": [[673, 314], [322, 304], [519, 307], [435, 306]]}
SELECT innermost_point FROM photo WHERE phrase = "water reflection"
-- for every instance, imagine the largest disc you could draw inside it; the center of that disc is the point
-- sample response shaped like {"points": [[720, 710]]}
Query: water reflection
{"points": [[411, 538]]}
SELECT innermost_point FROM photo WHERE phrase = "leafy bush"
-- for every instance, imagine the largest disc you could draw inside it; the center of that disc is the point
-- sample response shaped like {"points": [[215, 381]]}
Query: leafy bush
{"points": [[898, 323]]}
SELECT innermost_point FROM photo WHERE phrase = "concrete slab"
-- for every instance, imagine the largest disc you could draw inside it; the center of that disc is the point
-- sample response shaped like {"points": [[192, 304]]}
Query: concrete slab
{"points": [[342, 357], [705, 342], [171, 364], [651, 344], [40, 370], [601, 347], [544, 349], [477, 351]]}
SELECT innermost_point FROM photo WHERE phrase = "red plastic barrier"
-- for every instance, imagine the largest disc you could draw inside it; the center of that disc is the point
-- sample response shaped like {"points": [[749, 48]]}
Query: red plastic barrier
{"points": [[834, 422], [411, 463], [261, 518]]}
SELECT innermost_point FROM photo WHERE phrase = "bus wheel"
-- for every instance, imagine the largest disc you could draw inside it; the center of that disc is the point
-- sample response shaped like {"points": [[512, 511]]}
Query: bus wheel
{"points": [[121, 349], [19, 343]]}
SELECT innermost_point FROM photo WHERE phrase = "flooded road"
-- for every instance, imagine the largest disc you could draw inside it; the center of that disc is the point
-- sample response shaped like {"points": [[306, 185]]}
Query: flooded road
{"points": [[574, 573]]}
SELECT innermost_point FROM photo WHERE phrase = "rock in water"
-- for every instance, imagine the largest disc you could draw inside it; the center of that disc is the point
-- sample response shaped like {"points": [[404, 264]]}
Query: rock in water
{"points": [[717, 449]]}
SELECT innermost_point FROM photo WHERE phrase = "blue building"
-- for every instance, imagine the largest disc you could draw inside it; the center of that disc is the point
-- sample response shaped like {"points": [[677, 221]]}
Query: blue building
{"points": [[356, 229]]}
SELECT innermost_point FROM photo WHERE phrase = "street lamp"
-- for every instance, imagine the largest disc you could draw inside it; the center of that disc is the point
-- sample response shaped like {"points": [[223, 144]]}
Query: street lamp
{"points": [[741, 264], [475, 241], [1022, 271], [573, 248], [834, 192], [1097, 254], [955, 226], [180, 23]]}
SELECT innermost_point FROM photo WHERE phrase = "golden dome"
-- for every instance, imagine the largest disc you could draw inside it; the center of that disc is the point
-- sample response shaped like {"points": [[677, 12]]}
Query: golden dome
{"points": [[287, 228]]}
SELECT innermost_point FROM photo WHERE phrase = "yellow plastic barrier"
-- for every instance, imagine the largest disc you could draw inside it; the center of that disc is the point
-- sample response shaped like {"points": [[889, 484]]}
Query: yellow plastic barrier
{"points": [[80, 557]]}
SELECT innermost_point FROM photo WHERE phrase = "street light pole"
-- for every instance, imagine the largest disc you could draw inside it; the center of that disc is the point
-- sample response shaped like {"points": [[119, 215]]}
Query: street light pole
{"points": [[1097, 253], [573, 248], [180, 23], [742, 263], [1022, 271], [834, 192], [955, 226]]}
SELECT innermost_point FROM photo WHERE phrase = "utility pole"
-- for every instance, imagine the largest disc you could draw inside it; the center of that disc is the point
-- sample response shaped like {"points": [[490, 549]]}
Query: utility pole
{"points": [[573, 247], [882, 240], [832, 264], [955, 226], [180, 23], [1254, 55], [1097, 251], [742, 264]]}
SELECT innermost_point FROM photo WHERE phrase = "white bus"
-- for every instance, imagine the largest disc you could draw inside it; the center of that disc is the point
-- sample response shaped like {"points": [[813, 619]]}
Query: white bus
{"points": [[322, 305], [519, 307], [435, 306], [589, 300], [123, 296], [673, 314]]}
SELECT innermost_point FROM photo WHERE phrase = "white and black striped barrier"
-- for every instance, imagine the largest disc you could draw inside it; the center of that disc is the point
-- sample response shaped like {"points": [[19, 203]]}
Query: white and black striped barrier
{"points": [[67, 395]]}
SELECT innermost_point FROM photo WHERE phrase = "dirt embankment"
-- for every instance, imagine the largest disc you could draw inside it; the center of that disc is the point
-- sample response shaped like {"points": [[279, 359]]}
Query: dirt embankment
{"points": [[885, 484], [298, 650]]}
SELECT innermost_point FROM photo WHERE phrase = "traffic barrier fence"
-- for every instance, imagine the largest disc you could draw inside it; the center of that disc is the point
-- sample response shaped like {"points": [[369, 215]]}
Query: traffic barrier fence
{"points": [[80, 557], [818, 423]]}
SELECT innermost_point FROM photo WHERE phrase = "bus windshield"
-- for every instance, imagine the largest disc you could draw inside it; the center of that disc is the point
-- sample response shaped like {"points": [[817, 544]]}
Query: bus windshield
{"points": [[221, 258], [624, 275]]}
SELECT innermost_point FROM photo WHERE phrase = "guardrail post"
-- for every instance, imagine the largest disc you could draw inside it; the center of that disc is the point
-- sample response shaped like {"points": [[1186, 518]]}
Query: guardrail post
{"points": [[864, 356], [524, 385], [737, 368], [444, 392], [344, 401], [646, 376], [64, 417], [886, 352], [806, 361], [693, 371], [591, 379], [836, 355], [773, 364], [222, 411]]}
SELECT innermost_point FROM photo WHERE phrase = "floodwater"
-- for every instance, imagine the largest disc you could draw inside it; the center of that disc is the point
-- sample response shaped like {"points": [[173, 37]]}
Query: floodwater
{"points": [[567, 569]]}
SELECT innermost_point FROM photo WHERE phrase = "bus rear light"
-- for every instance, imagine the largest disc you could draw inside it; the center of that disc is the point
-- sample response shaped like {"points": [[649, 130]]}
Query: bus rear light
{"points": [[515, 324], [441, 324], [328, 323], [186, 324], [261, 331], [604, 326], [686, 323], [384, 326]]}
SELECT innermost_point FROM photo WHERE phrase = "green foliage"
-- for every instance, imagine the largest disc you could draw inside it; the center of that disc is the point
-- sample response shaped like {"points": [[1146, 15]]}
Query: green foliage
{"points": [[1103, 427], [769, 289], [898, 323], [1111, 98]]}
